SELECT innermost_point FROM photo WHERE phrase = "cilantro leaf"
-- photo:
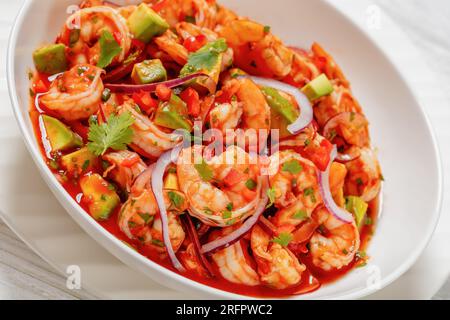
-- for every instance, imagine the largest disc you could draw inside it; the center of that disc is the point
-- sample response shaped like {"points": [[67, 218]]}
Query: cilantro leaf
{"points": [[271, 194], [205, 58], [109, 49], [115, 134], [300, 215], [204, 171], [283, 239], [292, 166], [251, 184], [175, 199]]}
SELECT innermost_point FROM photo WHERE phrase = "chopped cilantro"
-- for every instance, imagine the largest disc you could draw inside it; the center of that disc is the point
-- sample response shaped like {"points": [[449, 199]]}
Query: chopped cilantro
{"points": [[283, 239], [300, 215], [205, 58], [292, 166], [250, 184], [271, 194], [175, 199], [115, 134], [204, 171], [266, 29], [109, 49]]}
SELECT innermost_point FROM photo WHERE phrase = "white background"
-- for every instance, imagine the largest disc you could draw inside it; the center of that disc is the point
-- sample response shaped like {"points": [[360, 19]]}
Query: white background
{"points": [[23, 275]]}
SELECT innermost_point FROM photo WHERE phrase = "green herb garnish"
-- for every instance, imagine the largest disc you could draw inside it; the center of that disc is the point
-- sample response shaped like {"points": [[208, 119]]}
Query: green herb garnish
{"points": [[115, 134], [283, 239], [204, 171], [292, 166], [109, 49]]}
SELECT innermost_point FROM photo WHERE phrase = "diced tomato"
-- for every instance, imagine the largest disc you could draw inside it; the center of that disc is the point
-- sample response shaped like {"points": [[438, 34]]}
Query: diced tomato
{"points": [[192, 99], [145, 101], [248, 194], [40, 87], [131, 161], [118, 37], [163, 92], [319, 154], [321, 63], [138, 44], [233, 177], [159, 6], [192, 44]]}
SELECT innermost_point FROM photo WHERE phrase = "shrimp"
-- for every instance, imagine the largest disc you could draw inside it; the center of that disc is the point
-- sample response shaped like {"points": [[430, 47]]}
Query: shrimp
{"points": [[364, 176], [295, 184], [254, 108], [148, 140], [170, 43], [303, 69], [139, 217], [125, 167], [202, 11], [76, 94], [236, 191], [82, 31], [335, 243], [233, 263], [257, 51], [226, 116], [277, 266], [329, 66], [339, 101]]}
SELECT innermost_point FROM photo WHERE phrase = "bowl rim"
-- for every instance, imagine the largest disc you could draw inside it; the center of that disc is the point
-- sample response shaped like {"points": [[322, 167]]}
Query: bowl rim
{"points": [[124, 253]]}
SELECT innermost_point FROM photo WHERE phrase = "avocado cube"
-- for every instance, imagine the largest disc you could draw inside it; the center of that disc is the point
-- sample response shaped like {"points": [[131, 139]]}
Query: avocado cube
{"points": [[59, 135], [79, 161], [280, 104], [51, 59], [318, 88], [173, 115], [100, 196], [149, 71], [144, 23], [357, 207]]}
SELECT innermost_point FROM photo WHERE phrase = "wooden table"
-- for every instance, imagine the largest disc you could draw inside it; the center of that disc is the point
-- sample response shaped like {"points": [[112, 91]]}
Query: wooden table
{"points": [[24, 275]]}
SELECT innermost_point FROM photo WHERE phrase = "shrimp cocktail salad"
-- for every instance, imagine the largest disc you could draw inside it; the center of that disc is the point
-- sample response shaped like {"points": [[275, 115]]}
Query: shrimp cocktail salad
{"points": [[200, 140]]}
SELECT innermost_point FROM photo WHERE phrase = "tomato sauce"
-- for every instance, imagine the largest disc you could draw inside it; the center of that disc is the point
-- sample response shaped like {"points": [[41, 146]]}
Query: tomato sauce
{"points": [[312, 278]]}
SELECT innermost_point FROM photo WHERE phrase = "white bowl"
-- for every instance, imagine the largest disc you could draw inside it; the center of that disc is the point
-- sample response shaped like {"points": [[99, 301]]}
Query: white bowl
{"points": [[400, 130]]}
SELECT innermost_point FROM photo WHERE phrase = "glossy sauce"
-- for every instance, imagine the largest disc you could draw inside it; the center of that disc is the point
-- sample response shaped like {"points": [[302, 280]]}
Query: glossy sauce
{"points": [[309, 278]]}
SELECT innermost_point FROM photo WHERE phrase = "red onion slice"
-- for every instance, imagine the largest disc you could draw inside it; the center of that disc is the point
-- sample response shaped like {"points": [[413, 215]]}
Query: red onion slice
{"points": [[157, 187], [236, 235], [306, 110], [324, 183], [133, 88]]}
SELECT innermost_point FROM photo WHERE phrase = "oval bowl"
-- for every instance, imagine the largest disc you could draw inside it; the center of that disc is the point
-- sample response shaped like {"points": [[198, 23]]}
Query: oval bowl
{"points": [[413, 188]]}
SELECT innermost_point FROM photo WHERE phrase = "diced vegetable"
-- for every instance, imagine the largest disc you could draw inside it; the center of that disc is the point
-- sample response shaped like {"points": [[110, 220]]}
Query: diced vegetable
{"points": [[144, 23], [59, 135], [207, 60], [173, 114], [149, 71], [101, 198], [280, 104], [357, 207], [318, 88], [51, 59], [145, 101], [79, 161], [171, 182], [192, 99]]}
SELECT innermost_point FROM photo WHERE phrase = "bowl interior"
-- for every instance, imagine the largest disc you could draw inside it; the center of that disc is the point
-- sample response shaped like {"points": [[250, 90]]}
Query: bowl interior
{"points": [[412, 189]]}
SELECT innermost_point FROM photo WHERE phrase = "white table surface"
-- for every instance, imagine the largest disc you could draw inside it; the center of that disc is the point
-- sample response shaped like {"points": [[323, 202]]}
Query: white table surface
{"points": [[24, 275]]}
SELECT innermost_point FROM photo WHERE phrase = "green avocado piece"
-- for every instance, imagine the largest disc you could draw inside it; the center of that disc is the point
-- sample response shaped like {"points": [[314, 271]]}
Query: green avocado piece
{"points": [[280, 104], [100, 196], [144, 23], [357, 207], [59, 135], [318, 88], [79, 161], [173, 114], [149, 71], [51, 59]]}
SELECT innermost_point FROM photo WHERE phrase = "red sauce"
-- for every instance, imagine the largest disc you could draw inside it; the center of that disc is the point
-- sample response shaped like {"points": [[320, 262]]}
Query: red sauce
{"points": [[312, 278]]}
